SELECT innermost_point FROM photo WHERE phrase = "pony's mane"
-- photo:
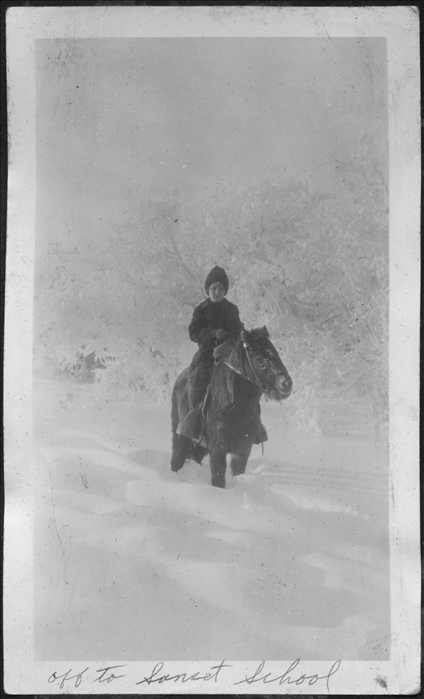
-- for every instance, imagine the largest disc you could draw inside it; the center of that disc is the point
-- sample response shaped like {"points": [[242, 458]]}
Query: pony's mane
{"points": [[223, 385], [255, 333], [226, 380]]}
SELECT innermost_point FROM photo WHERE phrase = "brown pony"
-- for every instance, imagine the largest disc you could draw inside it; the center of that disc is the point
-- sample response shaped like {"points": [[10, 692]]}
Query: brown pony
{"points": [[231, 408]]}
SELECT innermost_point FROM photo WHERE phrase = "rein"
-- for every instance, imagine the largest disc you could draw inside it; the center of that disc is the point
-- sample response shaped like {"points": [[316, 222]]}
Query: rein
{"points": [[256, 380]]}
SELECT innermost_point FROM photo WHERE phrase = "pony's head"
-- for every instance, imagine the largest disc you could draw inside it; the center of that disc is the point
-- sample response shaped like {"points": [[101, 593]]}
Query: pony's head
{"points": [[263, 365]]}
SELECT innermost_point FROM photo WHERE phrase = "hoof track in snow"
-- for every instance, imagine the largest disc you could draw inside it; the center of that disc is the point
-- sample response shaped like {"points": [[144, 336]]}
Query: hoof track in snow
{"points": [[150, 457]]}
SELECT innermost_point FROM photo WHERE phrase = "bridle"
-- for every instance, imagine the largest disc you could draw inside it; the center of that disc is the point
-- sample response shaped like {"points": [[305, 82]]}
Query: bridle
{"points": [[257, 380]]}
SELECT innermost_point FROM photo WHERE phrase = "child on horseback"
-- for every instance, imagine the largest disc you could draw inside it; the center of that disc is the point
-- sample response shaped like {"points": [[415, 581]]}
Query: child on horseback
{"points": [[215, 324]]}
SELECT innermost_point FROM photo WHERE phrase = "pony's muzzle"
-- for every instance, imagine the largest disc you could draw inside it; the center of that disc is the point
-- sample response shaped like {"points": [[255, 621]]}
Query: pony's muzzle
{"points": [[285, 386]]}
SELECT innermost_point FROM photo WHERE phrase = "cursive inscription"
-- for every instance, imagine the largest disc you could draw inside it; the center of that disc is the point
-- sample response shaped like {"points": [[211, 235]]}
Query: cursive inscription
{"points": [[67, 677], [292, 676], [260, 676], [183, 677], [106, 674]]}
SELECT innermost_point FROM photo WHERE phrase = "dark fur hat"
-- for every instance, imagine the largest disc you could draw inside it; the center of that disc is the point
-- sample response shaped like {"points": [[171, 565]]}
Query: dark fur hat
{"points": [[217, 274]]}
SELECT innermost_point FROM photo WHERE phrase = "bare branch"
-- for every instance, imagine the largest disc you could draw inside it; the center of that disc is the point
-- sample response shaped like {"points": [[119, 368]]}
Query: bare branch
{"points": [[334, 315], [177, 252], [273, 297]]}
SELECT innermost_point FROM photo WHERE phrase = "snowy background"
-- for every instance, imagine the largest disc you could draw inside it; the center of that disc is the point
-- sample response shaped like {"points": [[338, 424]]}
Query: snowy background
{"points": [[156, 159]]}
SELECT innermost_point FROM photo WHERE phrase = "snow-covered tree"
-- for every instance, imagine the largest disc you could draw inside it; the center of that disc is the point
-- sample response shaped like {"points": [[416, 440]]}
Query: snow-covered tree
{"points": [[312, 267]]}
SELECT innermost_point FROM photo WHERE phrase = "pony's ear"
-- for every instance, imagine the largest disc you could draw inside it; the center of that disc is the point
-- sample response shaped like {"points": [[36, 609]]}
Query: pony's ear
{"points": [[243, 335], [264, 331]]}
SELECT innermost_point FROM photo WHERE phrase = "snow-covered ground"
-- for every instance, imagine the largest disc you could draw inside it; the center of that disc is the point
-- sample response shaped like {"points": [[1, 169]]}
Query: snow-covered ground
{"points": [[135, 562]]}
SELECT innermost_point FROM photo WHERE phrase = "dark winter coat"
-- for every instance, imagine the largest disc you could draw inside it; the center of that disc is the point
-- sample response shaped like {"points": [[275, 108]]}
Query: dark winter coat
{"points": [[208, 317]]}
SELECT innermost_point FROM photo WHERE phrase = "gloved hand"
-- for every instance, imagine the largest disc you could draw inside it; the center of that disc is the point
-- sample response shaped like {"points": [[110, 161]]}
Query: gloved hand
{"points": [[221, 334], [222, 350]]}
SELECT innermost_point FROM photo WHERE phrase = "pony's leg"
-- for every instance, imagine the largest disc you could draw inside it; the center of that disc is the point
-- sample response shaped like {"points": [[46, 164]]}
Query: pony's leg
{"points": [[197, 453], [218, 461], [238, 459], [180, 449]]}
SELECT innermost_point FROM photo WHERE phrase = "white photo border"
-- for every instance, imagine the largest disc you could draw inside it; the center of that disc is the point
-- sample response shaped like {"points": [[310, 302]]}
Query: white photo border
{"points": [[400, 26]]}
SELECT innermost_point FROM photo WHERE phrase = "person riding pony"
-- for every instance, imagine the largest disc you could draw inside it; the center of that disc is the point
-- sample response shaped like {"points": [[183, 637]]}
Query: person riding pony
{"points": [[215, 327]]}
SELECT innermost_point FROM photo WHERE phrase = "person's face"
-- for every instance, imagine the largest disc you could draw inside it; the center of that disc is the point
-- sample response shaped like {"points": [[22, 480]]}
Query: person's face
{"points": [[216, 292]]}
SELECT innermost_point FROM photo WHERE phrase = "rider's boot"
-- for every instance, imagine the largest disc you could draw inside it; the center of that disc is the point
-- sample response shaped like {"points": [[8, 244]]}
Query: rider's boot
{"points": [[190, 425]]}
